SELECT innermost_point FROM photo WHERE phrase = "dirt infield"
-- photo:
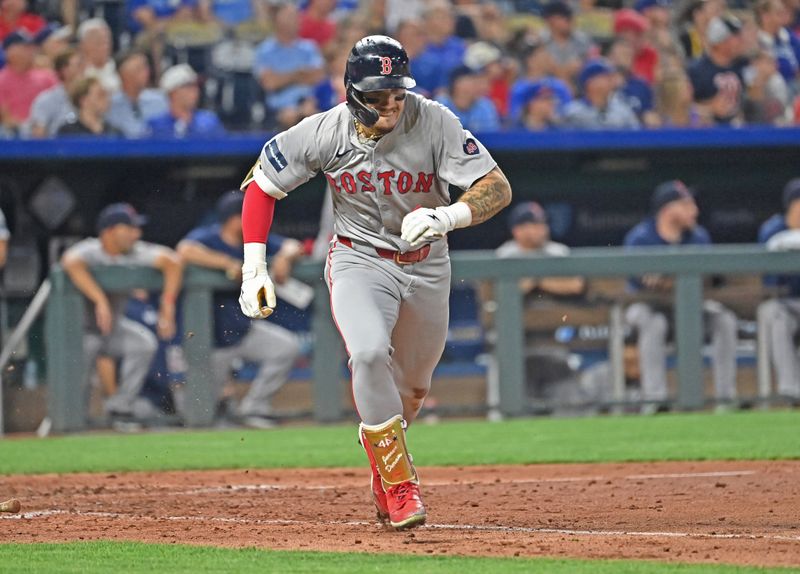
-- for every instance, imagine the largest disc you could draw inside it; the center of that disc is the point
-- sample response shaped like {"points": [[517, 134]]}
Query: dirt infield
{"points": [[727, 512]]}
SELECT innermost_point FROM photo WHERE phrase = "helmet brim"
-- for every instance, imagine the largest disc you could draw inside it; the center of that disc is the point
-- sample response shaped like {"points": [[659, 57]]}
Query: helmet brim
{"points": [[378, 83]]}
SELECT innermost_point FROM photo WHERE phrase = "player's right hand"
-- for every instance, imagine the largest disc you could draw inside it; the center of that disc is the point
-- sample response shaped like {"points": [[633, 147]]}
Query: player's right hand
{"points": [[257, 298]]}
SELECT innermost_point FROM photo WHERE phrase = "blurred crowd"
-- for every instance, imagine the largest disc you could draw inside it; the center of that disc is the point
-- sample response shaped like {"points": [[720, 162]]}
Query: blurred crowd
{"points": [[177, 68]]}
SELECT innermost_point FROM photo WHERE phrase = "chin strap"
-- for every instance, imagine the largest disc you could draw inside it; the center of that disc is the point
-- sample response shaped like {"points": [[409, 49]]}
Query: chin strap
{"points": [[361, 111]]}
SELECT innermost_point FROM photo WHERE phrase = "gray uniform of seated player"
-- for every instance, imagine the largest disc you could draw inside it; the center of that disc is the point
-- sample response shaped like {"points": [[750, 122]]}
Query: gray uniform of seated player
{"points": [[106, 329]]}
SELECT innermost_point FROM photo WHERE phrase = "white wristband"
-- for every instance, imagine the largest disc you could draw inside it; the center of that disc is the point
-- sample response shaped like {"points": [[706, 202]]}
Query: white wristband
{"points": [[458, 214], [255, 256]]}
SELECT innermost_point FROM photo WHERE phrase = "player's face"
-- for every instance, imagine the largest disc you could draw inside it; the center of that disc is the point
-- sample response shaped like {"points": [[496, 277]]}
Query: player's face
{"points": [[531, 235], [125, 236], [687, 212], [793, 215], [389, 104]]}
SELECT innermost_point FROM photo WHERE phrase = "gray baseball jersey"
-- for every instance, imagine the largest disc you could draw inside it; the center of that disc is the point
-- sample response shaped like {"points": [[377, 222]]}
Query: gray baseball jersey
{"points": [[131, 342], [91, 251], [375, 184], [393, 318]]}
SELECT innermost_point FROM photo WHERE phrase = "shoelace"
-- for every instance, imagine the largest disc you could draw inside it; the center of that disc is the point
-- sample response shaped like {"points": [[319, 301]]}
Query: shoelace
{"points": [[402, 491]]}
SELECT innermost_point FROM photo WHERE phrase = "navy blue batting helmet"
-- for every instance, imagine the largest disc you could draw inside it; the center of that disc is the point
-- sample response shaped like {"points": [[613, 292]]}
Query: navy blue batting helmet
{"points": [[375, 63]]}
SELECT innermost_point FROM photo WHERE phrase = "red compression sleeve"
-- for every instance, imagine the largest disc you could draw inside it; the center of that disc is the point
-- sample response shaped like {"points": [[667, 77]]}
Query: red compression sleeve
{"points": [[257, 212]]}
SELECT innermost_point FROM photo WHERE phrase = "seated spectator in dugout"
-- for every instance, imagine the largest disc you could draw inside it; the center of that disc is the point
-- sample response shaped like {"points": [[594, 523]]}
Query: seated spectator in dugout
{"points": [[601, 107], [184, 119], [107, 331], [91, 101], [163, 390], [239, 338], [549, 373], [779, 317], [673, 221], [531, 238]]}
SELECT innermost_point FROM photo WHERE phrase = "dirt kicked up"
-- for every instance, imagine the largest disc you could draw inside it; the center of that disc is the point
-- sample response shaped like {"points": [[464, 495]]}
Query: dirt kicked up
{"points": [[715, 512]]}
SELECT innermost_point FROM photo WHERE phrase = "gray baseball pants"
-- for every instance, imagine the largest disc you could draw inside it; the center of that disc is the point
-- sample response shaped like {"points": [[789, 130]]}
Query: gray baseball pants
{"points": [[652, 328], [274, 349], [135, 346], [780, 316], [393, 319]]}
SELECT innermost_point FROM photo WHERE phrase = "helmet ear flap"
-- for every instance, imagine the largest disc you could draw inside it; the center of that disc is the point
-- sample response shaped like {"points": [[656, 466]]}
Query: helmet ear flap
{"points": [[361, 111]]}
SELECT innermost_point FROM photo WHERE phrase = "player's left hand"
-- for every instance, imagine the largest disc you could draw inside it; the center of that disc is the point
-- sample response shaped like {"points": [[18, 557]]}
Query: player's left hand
{"points": [[425, 223]]}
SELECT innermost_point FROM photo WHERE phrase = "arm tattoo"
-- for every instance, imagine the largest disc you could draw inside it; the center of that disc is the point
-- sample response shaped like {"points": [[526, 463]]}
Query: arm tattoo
{"points": [[487, 196]]}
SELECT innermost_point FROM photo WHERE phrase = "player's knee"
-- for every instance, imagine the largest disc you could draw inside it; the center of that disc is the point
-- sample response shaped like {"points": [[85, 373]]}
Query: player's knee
{"points": [[370, 359], [147, 344]]}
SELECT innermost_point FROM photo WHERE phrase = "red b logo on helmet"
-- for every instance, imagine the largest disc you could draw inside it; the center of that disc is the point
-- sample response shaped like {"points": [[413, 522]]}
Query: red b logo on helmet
{"points": [[386, 65]]}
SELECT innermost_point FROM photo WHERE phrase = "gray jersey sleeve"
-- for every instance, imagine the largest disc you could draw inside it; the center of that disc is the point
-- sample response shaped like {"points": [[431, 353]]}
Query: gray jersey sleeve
{"points": [[462, 158], [290, 159]]}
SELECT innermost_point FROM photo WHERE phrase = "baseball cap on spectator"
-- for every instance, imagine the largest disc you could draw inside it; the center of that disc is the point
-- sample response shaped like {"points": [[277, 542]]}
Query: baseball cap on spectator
{"points": [[481, 54], [642, 5], [54, 30], [720, 28], [791, 192], [556, 8], [118, 213], [627, 20], [667, 192], [527, 212], [229, 204], [538, 89], [592, 69], [176, 77], [17, 37]]}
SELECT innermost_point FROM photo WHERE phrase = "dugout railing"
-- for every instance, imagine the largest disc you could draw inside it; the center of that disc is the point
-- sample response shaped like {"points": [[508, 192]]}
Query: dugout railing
{"points": [[68, 405]]}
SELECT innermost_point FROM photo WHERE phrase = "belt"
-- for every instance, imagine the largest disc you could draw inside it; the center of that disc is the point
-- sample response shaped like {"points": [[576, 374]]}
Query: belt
{"points": [[398, 257]]}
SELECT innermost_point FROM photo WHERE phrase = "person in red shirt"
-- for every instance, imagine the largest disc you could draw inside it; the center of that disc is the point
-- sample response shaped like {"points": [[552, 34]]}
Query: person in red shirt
{"points": [[20, 82], [316, 24], [632, 26], [14, 15]]}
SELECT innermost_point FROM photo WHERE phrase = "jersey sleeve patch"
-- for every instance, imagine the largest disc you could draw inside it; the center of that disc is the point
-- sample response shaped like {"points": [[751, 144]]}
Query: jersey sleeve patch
{"points": [[471, 147], [275, 156]]}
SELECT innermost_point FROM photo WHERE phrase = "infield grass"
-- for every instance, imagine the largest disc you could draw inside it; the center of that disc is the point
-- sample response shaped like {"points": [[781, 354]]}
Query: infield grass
{"points": [[136, 558], [696, 436]]}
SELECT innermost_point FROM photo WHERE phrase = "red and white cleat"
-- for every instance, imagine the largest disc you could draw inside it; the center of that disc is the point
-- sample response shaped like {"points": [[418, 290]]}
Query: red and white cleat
{"points": [[405, 506], [379, 495]]}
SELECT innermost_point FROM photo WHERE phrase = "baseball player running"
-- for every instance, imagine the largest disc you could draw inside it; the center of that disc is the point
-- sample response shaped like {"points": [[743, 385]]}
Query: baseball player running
{"points": [[389, 156]]}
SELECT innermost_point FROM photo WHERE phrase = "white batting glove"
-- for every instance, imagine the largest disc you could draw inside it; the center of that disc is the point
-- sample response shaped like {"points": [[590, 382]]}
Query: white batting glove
{"points": [[257, 298], [425, 223]]}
